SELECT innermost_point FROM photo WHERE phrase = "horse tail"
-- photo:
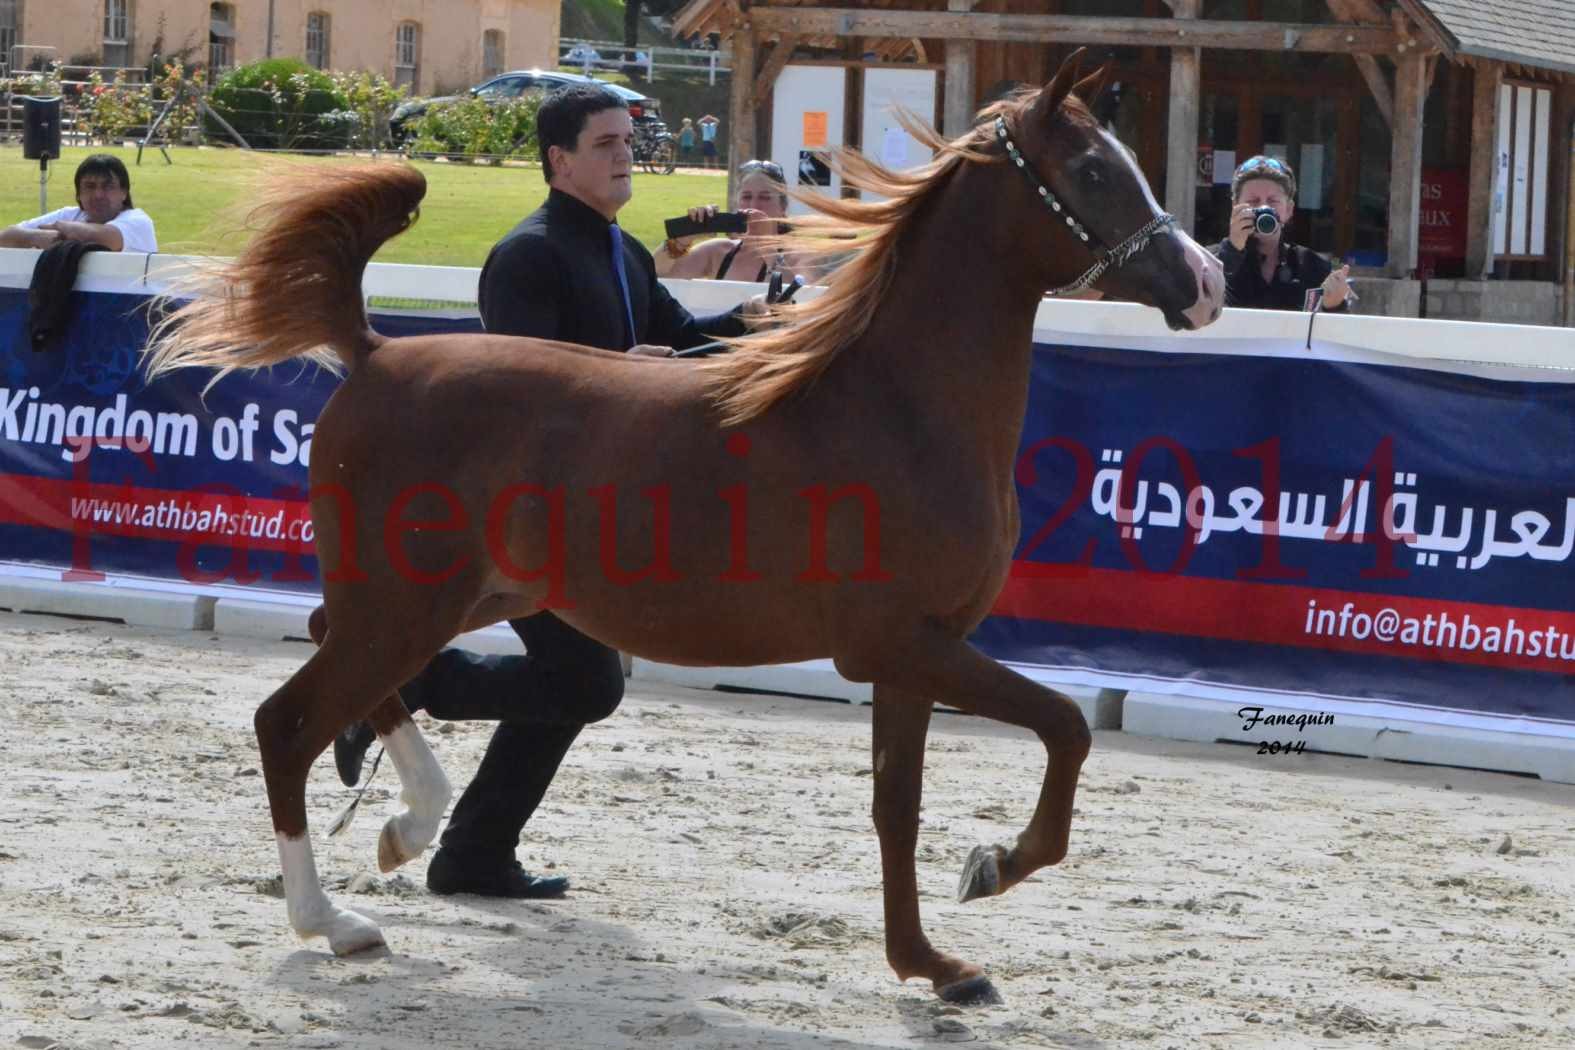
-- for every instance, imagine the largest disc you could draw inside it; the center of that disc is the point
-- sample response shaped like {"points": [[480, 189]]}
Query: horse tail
{"points": [[295, 289]]}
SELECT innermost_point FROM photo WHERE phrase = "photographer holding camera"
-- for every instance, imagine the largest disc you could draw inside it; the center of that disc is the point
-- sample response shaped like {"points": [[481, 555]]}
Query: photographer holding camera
{"points": [[762, 200], [1264, 270]]}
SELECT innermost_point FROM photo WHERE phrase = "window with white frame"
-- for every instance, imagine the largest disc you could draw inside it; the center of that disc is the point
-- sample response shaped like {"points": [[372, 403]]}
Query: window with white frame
{"points": [[317, 28], [117, 33], [492, 52], [221, 38], [407, 55], [8, 27], [1520, 192]]}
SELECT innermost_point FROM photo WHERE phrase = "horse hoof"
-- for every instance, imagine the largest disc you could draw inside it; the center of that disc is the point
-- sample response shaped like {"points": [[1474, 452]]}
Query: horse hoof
{"points": [[391, 848], [975, 991], [981, 875], [353, 933]]}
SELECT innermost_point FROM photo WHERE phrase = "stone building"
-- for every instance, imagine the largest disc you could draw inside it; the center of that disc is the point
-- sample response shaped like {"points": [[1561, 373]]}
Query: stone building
{"points": [[430, 45]]}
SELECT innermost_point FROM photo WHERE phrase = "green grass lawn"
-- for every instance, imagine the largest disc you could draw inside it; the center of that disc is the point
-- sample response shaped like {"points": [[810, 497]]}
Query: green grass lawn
{"points": [[466, 210]]}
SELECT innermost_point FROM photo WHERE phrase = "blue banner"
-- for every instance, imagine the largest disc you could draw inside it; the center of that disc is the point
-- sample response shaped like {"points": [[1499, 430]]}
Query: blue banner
{"points": [[1285, 523], [1271, 520], [101, 473]]}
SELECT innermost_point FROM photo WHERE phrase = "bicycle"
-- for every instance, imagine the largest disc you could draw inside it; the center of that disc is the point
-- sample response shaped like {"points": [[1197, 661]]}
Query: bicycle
{"points": [[654, 148]]}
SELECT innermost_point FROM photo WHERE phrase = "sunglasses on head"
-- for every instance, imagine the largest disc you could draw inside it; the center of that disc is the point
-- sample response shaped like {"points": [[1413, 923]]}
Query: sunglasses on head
{"points": [[770, 168], [1261, 163]]}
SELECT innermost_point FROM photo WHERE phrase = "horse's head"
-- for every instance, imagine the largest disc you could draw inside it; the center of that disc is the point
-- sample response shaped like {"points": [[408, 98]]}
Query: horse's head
{"points": [[1098, 208]]}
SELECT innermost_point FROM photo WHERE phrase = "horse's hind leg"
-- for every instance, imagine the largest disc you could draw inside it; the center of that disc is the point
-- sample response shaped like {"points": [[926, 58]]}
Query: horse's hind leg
{"points": [[901, 723], [339, 683], [425, 789]]}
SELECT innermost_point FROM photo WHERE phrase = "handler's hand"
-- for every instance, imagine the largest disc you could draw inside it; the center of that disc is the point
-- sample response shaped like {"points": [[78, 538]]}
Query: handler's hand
{"points": [[755, 306], [648, 350]]}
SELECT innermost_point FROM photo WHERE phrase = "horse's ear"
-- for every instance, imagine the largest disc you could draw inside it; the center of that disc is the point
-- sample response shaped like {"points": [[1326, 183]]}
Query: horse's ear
{"points": [[1092, 86], [1060, 85]]}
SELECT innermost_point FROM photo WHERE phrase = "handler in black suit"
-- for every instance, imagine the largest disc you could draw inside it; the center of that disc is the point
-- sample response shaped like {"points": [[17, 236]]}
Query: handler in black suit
{"points": [[566, 273]]}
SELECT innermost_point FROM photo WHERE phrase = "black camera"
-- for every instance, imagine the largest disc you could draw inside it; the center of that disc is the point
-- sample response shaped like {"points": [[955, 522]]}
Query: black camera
{"points": [[1265, 221], [721, 222]]}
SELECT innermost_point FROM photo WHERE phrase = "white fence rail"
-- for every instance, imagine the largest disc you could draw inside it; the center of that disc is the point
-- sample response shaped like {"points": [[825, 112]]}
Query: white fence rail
{"points": [[609, 54]]}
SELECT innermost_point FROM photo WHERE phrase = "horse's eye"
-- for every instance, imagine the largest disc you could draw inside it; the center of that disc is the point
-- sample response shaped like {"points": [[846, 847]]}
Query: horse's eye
{"points": [[1092, 175]]}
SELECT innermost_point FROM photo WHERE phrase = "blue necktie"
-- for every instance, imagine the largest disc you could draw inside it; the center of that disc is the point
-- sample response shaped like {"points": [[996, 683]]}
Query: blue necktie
{"points": [[623, 279]]}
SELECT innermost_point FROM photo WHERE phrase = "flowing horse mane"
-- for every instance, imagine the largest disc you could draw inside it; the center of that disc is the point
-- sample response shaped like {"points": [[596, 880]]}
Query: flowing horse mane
{"points": [[770, 366]]}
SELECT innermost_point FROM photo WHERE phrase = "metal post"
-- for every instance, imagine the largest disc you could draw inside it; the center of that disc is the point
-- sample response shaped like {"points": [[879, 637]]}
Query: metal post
{"points": [[713, 69], [43, 185]]}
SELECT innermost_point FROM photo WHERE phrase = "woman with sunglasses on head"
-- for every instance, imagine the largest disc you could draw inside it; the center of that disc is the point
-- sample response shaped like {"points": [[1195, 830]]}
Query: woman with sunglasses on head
{"points": [[762, 197], [1263, 269]]}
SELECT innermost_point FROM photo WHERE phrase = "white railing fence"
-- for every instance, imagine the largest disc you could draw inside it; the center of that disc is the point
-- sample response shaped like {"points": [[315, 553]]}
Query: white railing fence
{"points": [[590, 55]]}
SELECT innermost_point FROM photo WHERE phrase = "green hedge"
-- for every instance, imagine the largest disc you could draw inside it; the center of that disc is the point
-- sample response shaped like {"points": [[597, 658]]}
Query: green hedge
{"points": [[471, 127], [283, 103]]}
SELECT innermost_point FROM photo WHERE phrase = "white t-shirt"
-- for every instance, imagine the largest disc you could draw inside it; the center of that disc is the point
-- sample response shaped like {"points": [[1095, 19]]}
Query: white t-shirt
{"points": [[136, 229]]}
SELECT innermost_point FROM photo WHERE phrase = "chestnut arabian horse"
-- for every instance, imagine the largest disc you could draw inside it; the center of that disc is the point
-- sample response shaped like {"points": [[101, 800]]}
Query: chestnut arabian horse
{"points": [[839, 485]]}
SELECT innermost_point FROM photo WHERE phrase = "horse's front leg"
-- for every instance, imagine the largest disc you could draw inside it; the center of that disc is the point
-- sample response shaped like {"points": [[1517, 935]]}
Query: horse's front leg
{"points": [[901, 723], [951, 671]]}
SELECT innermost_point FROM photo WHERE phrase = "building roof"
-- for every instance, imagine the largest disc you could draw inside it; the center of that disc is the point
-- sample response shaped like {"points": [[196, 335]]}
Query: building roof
{"points": [[1537, 33]]}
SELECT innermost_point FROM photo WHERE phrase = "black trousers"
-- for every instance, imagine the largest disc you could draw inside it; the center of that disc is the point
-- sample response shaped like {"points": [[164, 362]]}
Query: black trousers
{"points": [[540, 701]]}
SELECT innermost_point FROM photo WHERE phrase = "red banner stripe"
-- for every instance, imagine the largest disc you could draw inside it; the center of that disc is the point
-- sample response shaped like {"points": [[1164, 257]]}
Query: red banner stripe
{"points": [[199, 518], [1425, 629]]}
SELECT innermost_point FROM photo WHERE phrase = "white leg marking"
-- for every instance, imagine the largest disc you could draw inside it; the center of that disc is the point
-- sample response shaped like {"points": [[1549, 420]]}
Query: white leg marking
{"points": [[312, 914], [426, 795]]}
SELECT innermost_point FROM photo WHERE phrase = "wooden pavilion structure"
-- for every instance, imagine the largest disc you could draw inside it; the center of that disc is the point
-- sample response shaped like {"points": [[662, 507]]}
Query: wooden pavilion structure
{"points": [[1433, 137]]}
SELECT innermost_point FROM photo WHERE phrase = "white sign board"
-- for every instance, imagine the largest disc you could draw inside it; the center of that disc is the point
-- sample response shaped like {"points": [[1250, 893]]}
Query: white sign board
{"points": [[883, 137], [807, 103]]}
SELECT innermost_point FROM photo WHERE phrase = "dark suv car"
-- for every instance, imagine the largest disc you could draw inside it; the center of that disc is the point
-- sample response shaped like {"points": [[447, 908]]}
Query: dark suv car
{"points": [[506, 86]]}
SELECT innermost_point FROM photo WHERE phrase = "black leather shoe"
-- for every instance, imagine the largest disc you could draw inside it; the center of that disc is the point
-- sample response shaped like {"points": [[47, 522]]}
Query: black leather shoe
{"points": [[452, 872], [350, 751]]}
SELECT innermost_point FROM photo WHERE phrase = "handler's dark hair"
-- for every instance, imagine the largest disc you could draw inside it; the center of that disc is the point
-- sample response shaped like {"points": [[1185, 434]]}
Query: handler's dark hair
{"points": [[563, 115]]}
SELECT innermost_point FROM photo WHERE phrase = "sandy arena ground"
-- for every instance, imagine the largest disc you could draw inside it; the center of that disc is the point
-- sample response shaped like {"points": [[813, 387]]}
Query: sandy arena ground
{"points": [[727, 884]]}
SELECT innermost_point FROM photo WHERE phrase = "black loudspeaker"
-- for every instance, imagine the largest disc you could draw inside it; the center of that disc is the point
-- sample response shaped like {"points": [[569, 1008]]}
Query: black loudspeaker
{"points": [[41, 128]]}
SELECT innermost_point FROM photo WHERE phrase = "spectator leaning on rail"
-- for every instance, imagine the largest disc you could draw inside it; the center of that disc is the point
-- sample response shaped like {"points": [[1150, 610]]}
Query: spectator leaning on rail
{"points": [[104, 214], [1267, 271]]}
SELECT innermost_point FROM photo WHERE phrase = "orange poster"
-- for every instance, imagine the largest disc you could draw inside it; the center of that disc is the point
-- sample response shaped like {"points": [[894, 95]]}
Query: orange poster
{"points": [[814, 130]]}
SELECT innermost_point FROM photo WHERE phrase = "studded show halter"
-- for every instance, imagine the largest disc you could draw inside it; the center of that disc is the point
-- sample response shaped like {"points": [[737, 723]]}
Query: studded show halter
{"points": [[1106, 259]]}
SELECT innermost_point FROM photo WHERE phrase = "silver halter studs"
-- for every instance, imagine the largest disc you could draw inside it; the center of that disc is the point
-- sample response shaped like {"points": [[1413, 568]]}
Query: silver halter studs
{"points": [[1109, 258]]}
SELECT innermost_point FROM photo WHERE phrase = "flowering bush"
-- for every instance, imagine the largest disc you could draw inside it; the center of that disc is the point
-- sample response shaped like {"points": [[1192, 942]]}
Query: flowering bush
{"points": [[473, 128], [181, 82], [282, 103], [369, 101], [111, 111], [43, 82]]}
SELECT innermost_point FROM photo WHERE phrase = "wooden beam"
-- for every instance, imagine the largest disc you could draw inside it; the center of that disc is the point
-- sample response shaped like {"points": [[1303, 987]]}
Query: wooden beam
{"points": [[1366, 11], [1077, 29], [741, 105], [1181, 137], [1405, 164], [962, 58], [1424, 22], [773, 66], [1487, 76]]}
